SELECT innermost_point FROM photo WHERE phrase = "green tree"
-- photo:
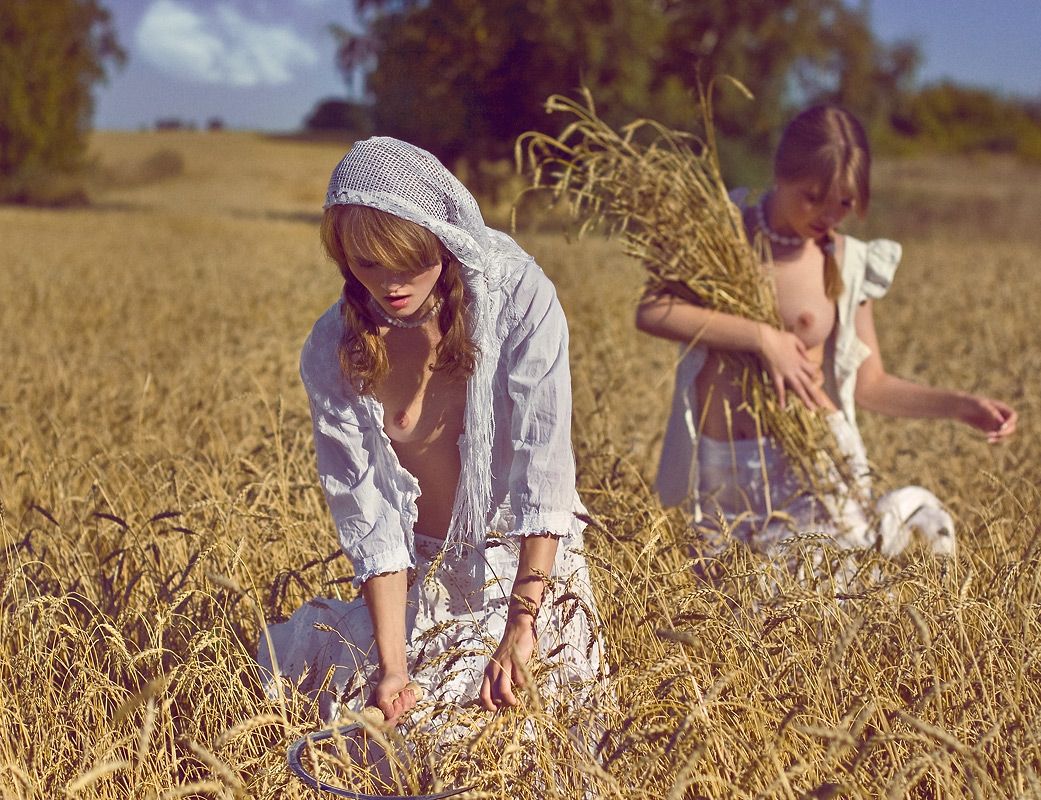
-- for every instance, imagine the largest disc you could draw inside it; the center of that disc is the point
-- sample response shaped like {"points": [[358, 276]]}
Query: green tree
{"points": [[51, 55]]}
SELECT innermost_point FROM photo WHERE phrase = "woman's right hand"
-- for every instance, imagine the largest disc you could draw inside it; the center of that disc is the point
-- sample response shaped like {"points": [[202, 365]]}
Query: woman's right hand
{"points": [[393, 696], [784, 356]]}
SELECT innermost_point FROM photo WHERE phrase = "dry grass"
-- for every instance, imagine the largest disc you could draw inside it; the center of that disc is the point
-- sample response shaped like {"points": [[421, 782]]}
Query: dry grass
{"points": [[159, 498]]}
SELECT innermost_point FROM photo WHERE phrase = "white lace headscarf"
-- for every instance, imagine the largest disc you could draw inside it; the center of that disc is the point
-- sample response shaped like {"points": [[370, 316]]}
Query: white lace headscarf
{"points": [[393, 176]]}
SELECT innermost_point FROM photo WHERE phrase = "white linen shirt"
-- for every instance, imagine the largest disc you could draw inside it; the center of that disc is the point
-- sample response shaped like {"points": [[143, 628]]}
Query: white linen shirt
{"points": [[372, 498]]}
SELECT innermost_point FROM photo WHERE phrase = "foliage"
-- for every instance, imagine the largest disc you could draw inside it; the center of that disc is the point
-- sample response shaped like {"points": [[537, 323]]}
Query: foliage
{"points": [[51, 55], [465, 77], [796, 51]]}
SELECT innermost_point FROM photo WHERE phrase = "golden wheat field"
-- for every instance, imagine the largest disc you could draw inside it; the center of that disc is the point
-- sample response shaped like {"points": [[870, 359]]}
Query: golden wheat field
{"points": [[159, 500]]}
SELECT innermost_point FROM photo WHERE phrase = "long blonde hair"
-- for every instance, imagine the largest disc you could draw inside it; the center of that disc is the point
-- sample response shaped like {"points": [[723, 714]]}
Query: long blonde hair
{"points": [[827, 143], [355, 233]]}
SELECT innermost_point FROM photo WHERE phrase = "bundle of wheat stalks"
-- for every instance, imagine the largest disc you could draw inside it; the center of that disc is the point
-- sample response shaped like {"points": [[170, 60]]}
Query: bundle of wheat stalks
{"points": [[662, 193]]}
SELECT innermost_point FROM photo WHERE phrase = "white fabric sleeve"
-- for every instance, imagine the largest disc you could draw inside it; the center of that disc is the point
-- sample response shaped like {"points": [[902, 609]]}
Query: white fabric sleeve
{"points": [[542, 470]]}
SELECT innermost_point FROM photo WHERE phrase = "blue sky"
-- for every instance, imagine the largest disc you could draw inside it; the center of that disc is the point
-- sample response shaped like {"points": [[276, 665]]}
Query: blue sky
{"points": [[264, 63]]}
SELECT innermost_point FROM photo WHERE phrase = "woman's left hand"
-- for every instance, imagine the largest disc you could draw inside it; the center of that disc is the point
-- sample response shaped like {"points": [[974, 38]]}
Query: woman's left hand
{"points": [[993, 417], [503, 673]]}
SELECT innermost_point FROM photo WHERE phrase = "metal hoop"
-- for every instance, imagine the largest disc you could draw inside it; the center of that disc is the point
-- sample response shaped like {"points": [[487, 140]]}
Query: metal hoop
{"points": [[298, 769]]}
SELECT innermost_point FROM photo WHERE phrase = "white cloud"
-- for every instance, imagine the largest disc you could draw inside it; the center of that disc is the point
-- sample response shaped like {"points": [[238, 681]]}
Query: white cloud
{"points": [[219, 46]]}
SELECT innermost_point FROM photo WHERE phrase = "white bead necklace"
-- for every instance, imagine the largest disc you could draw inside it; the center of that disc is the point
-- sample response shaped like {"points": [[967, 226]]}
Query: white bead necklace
{"points": [[402, 323], [771, 234]]}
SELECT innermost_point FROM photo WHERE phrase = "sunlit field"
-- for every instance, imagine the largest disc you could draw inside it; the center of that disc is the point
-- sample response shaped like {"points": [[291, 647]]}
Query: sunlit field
{"points": [[159, 501]]}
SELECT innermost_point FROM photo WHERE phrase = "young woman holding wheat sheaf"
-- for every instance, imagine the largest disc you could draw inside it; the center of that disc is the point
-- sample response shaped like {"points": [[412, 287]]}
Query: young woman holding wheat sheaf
{"points": [[827, 357], [440, 394]]}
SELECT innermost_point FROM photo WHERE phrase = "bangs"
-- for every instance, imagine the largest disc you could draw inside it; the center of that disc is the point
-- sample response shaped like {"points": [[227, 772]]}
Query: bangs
{"points": [[361, 234]]}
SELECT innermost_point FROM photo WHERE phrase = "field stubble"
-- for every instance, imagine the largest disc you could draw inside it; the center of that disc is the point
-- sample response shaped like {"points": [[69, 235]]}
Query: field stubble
{"points": [[159, 499]]}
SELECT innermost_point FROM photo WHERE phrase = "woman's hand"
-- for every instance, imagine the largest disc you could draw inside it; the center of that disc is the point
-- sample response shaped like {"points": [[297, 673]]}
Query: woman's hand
{"points": [[503, 672], [994, 418], [784, 356], [393, 696]]}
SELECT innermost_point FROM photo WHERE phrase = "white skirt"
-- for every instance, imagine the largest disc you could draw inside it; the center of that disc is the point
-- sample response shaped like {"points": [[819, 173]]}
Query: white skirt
{"points": [[455, 618]]}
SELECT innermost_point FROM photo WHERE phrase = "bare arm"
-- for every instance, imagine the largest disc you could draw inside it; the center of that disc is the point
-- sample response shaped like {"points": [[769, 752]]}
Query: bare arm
{"points": [[518, 642], [782, 353], [385, 598], [883, 393]]}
